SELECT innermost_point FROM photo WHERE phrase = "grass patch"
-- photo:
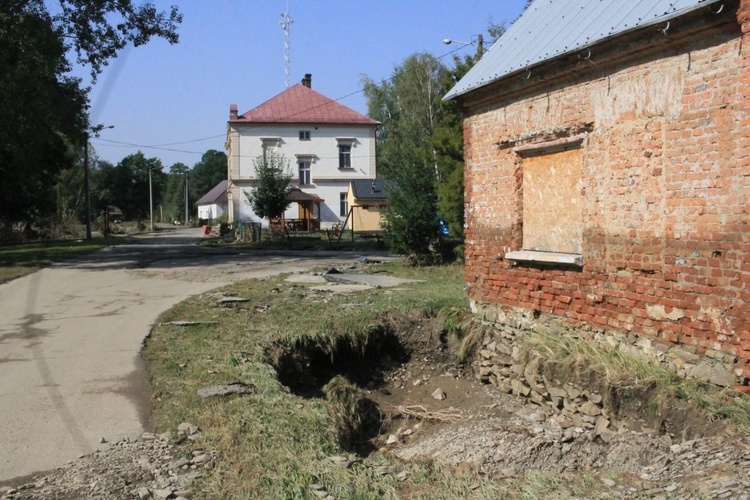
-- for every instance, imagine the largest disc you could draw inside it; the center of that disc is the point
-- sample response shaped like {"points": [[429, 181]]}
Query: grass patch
{"points": [[275, 444], [280, 441], [20, 260], [620, 376]]}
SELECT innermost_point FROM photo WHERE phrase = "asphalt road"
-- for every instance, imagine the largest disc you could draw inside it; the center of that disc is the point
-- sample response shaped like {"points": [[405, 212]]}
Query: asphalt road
{"points": [[71, 334]]}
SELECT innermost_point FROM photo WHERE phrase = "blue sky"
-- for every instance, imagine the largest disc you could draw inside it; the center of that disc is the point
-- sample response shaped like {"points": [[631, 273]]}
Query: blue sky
{"points": [[176, 98]]}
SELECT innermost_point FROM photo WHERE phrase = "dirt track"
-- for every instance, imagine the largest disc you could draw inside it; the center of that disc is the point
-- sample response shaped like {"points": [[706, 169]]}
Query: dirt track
{"points": [[70, 339]]}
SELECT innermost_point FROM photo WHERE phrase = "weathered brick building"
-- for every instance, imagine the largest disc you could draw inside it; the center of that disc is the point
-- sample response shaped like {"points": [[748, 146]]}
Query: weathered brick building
{"points": [[607, 149]]}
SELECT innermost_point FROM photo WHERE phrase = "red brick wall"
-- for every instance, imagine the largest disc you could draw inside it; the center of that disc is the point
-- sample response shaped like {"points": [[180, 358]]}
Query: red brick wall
{"points": [[666, 183]]}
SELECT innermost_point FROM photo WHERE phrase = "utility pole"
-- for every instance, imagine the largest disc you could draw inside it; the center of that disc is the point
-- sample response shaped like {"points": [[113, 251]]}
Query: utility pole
{"points": [[186, 198], [150, 200], [86, 185]]}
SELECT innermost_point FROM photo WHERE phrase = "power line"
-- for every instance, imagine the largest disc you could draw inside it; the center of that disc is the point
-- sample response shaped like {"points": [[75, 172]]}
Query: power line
{"points": [[160, 147]]}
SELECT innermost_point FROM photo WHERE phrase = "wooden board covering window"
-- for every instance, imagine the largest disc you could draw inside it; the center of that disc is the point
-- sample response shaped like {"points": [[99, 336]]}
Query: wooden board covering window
{"points": [[552, 202]]}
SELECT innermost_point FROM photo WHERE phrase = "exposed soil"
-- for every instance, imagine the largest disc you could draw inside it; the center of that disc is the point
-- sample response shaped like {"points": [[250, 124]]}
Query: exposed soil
{"points": [[406, 397], [428, 406]]}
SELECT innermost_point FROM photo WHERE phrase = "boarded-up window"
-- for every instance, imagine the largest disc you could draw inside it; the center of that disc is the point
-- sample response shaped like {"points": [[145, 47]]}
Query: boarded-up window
{"points": [[552, 202]]}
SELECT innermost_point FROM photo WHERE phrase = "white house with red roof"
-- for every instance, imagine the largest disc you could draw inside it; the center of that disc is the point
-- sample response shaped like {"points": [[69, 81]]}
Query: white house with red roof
{"points": [[327, 145]]}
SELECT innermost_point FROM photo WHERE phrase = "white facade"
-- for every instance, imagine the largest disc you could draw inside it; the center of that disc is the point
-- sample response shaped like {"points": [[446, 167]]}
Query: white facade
{"points": [[316, 147], [212, 211], [321, 152]]}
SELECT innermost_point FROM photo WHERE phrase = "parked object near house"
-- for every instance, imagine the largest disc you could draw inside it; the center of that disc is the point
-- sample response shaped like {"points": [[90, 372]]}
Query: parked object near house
{"points": [[326, 144], [213, 204], [607, 153], [365, 200]]}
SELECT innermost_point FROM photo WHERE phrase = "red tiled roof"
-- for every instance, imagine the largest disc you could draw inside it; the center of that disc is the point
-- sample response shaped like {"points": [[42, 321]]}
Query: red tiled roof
{"points": [[300, 104]]}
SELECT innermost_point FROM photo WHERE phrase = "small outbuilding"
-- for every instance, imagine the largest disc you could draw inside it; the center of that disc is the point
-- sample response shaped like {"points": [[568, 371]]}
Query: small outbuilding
{"points": [[365, 200], [213, 204]]}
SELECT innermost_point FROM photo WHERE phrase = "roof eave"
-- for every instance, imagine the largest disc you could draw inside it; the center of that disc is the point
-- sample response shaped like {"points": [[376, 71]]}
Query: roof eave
{"points": [[452, 94]]}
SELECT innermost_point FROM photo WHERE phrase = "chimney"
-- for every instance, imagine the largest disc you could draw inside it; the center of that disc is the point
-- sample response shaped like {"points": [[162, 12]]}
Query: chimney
{"points": [[232, 112], [307, 80]]}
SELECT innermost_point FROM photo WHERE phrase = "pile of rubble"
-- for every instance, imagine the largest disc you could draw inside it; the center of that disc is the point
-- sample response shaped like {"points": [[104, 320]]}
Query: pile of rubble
{"points": [[150, 467]]}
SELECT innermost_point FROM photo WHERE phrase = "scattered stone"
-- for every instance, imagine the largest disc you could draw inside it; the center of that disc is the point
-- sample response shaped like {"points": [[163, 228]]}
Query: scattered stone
{"points": [[722, 377], [573, 392], [163, 493], [590, 409], [189, 323], [187, 428], [392, 439], [609, 483], [201, 459], [439, 394], [508, 472], [602, 424], [403, 476], [343, 462], [224, 390], [556, 392], [595, 398], [232, 300], [520, 388], [144, 493]]}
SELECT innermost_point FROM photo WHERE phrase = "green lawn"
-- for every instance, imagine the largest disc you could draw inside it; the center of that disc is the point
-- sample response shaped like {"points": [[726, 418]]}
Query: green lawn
{"points": [[23, 259]]}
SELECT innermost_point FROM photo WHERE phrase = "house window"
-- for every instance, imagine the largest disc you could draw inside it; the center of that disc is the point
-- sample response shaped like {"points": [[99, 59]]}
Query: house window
{"points": [[304, 135], [304, 173], [552, 205], [345, 156], [270, 144], [343, 204]]}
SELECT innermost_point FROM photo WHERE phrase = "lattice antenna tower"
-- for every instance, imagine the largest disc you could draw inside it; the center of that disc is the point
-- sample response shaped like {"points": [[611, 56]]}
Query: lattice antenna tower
{"points": [[285, 22]]}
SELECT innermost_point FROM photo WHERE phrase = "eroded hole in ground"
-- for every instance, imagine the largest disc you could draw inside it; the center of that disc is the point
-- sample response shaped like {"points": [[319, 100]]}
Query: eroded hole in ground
{"points": [[341, 371], [308, 366]]}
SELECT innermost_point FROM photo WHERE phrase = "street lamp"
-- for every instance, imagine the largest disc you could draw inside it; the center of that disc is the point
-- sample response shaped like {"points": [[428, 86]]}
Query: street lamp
{"points": [[477, 40], [95, 130]]}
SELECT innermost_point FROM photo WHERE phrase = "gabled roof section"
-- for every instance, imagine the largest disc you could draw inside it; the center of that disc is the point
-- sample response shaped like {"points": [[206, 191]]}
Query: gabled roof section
{"points": [[300, 104], [369, 189], [218, 194], [552, 28], [295, 194]]}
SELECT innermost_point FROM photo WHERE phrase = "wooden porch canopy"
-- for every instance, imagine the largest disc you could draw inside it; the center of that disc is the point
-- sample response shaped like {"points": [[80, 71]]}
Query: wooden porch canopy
{"points": [[307, 202]]}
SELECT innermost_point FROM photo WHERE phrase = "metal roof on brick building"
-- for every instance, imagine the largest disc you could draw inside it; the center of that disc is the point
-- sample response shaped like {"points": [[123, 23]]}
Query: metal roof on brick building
{"points": [[549, 29], [300, 104]]}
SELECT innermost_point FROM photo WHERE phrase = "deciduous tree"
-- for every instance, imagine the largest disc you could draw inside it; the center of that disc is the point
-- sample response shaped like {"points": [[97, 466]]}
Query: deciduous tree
{"points": [[207, 173], [44, 110], [272, 178], [126, 185]]}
